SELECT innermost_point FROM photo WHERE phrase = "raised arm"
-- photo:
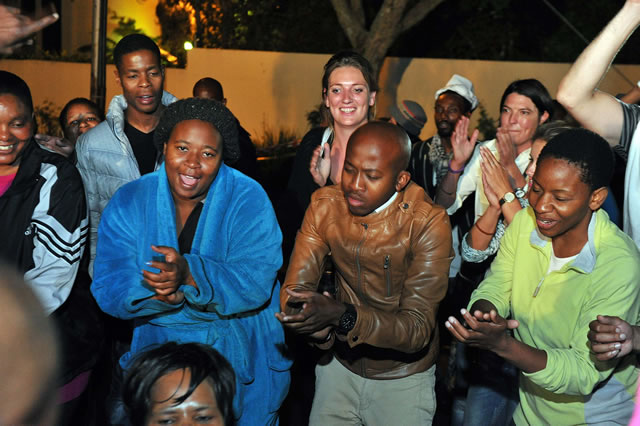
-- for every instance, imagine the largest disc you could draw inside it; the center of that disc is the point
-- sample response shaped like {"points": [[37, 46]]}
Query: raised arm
{"points": [[577, 92], [447, 192], [15, 27]]}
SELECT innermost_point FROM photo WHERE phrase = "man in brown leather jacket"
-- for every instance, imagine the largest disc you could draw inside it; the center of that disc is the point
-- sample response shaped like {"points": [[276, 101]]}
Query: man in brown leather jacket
{"points": [[391, 247]]}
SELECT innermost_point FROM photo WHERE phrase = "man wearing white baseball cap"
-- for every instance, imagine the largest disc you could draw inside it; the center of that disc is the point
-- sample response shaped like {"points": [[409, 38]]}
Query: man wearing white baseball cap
{"points": [[430, 159]]}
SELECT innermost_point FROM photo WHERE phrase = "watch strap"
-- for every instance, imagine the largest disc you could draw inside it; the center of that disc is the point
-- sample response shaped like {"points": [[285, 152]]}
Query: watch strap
{"points": [[504, 198]]}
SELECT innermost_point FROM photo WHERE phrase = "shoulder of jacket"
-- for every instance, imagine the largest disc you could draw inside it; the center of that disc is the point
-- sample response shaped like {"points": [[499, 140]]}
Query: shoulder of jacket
{"points": [[64, 168], [100, 138], [116, 108], [313, 137], [416, 148], [136, 190], [327, 192], [244, 186], [614, 245], [168, 98], [422, 205]]}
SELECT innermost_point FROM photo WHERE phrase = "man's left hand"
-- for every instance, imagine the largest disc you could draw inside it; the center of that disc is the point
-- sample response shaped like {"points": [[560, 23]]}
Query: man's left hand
{"points": [[318, 311]]}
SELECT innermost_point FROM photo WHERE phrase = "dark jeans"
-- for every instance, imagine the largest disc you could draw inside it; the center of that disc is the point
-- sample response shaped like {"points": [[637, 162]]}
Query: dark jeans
{"points": [[492, 395]]}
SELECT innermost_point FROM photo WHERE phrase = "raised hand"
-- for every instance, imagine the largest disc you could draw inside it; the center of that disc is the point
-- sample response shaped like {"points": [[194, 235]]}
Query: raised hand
{"points": [[506, 150], [495, 179], [320, 166], [14, 27], [507, 154], [56, 144], [461, 143]]}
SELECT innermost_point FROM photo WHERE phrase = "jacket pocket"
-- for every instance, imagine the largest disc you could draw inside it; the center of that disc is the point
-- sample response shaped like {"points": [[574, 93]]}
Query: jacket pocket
{"points": [[387, 274]]}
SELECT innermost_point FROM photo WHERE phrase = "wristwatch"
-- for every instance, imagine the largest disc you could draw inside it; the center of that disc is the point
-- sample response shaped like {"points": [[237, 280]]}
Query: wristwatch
{"points": [[347, 320], [520, 192], [507, 198]]}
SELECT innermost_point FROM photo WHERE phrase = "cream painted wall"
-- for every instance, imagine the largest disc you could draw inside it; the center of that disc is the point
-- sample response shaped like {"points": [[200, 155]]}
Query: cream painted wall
{"points": [[76, 16], [273, 90]]}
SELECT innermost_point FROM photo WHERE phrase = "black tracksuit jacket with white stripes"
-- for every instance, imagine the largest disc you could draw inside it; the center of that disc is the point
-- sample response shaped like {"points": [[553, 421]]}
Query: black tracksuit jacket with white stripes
{"points": [[44, 224]]}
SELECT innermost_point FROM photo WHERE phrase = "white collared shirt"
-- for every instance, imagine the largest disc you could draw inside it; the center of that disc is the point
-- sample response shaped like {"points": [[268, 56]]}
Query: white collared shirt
{"points": [[387, 204]]}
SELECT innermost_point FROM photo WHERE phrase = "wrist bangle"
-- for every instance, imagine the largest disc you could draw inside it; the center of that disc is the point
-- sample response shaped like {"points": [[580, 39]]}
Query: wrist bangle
{"points": [[455, 172], [484, 232]]}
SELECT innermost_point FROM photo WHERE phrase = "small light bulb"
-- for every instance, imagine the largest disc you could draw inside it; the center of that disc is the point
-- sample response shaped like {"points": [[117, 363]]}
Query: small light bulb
{"points": [[188, 45]]}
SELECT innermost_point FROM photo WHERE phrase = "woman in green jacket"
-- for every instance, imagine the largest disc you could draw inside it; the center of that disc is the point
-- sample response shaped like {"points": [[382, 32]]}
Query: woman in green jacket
{"points": [[561, 262]]}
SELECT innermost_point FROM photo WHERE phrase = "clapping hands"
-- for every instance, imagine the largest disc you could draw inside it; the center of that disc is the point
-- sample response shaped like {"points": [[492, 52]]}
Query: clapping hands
{"points": [[462, 144], [174, 272]]}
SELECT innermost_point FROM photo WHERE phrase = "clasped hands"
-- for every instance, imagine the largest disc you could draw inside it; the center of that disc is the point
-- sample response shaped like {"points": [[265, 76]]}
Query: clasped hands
{"points": [[316, 316], [485, 330], [174, 271], [611, 337]]}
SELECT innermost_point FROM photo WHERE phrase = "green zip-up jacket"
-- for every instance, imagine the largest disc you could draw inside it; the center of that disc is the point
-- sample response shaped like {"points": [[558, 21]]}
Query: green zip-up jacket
{"points": [[574, 387]]}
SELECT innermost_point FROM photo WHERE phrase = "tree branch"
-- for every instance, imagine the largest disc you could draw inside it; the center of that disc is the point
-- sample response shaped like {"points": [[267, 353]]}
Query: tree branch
{"points": [[417, 14], [350, 23], [384, 31], [358, 12]]}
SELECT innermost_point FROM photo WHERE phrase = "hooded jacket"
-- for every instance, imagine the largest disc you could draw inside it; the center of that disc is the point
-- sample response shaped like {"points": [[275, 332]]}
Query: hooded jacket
{"points": [[106, 162], [393, 266]]}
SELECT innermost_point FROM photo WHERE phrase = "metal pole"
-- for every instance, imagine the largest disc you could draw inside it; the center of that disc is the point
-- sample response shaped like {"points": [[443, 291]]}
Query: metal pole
{"points": [[98, 53]]}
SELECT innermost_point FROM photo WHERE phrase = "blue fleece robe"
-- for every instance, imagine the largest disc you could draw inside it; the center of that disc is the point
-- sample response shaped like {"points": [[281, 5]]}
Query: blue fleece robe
{"points": [[234, 257]]}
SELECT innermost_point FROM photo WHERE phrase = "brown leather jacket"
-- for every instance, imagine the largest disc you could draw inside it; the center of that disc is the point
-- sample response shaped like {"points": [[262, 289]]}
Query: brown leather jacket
{"points": [[393, 266]]}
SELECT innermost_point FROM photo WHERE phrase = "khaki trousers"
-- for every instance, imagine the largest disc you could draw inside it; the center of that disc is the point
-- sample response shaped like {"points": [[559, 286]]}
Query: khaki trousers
{"points": [[344, 398]]}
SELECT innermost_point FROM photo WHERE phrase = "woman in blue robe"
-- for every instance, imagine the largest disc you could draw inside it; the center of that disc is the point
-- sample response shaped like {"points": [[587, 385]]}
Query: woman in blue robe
{"points": [[190, 253]]}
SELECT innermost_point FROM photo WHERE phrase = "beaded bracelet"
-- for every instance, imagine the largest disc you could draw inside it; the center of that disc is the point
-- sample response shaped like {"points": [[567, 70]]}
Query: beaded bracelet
{"points": [[454, 171], [483, 231]]}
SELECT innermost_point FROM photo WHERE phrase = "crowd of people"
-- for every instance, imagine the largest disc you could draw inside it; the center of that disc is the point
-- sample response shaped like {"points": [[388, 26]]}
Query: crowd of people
{"points": [[148, 278]]}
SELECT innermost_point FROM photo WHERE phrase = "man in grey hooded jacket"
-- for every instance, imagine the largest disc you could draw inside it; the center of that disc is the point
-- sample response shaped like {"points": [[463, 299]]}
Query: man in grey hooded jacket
{"points": [[121, 148]]}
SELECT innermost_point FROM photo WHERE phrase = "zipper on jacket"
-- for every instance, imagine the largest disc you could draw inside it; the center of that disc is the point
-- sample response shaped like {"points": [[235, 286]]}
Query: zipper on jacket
{"points": [[537, 290], [363, 367], [387, 273], [365, 226]]}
